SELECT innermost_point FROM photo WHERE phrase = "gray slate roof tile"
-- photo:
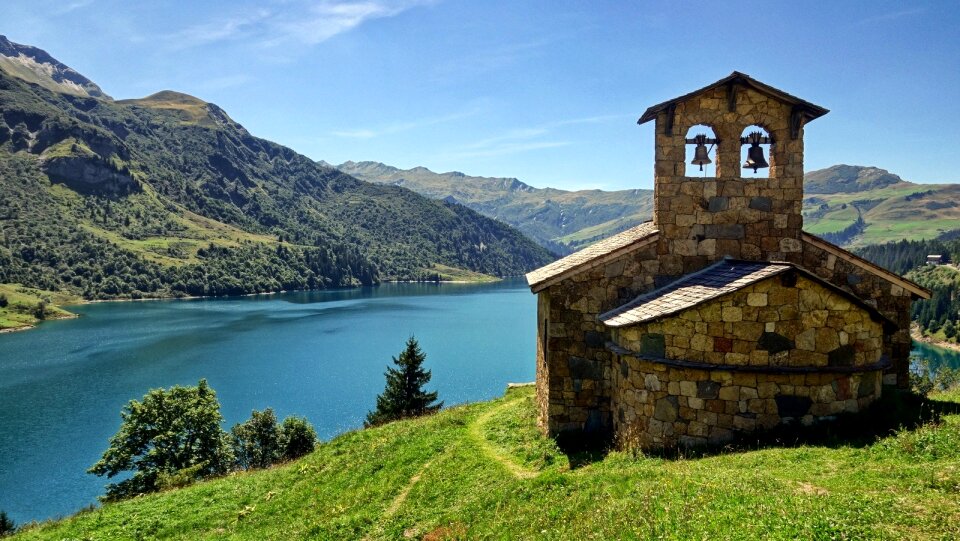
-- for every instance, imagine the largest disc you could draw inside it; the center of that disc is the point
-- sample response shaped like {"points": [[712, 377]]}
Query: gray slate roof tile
{"points": [[714, 281]]}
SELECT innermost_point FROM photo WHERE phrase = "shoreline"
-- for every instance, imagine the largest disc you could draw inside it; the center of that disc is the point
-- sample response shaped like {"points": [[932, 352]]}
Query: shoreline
{"points": [[919, 337], [80, 301]]}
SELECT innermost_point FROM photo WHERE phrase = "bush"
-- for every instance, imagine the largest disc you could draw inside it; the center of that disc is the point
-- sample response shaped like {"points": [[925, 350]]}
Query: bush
{"points": [[260, 442], [7, 526], [297, 438], [256, 442], [3, 301]]}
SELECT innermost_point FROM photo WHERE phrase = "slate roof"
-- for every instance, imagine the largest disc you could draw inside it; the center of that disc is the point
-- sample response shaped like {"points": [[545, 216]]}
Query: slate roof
{"points": [[581, 260], [809, 110], [696, 288]]}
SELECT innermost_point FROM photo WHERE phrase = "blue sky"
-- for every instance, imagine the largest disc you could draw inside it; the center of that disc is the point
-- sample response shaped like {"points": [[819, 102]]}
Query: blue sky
{"points": [[548, 92]]}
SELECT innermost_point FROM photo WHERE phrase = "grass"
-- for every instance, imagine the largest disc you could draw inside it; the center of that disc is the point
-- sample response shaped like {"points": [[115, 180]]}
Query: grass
{"points": [[453, 274], [483, 471], [22, 303]]}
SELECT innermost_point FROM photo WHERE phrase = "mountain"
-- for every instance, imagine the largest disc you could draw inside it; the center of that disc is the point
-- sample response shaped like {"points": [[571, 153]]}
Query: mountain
{"points": [[848, 204], [848, 179], [558, 219], [167, 195], [36, 66]]}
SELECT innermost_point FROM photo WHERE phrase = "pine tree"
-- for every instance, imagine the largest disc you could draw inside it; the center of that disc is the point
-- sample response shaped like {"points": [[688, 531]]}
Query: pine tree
{"points": [[404, 395]]}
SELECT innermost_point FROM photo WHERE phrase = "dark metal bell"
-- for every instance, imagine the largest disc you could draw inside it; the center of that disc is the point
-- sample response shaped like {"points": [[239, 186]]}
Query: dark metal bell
{"points": [[755, 159], [701, 156]]}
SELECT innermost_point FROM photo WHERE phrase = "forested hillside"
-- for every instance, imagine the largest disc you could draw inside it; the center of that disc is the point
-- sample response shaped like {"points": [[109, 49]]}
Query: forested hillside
{"points": [[938, 316], [169, 196]]}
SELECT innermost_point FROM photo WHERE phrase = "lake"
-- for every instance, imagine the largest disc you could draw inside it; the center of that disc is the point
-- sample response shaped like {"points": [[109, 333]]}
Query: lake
{"points": [[319, 354]]}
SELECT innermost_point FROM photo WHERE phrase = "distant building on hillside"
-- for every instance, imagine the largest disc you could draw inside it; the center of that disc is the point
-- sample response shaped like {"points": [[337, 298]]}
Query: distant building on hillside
{"points": [[721, 315], [934, 259]]}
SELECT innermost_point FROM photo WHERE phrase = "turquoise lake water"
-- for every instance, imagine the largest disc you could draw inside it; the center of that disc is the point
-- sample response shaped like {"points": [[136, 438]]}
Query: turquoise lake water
{"points": [[318, 354]]}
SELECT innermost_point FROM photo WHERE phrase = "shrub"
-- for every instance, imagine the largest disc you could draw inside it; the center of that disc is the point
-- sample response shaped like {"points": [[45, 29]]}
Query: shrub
{"points": [[256, 442], [297, 438]]}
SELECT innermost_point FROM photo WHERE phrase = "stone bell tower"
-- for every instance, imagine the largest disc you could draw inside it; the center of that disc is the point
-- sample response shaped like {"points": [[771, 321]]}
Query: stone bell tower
{"points": [[702, 220]]}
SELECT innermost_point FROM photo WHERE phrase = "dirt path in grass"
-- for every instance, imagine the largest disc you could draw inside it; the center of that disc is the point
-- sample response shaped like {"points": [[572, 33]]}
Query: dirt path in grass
{"points": [[475, 431]]}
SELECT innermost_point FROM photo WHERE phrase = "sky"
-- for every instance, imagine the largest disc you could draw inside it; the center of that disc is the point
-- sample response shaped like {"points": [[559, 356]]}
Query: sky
{"points": [[545, 91]]}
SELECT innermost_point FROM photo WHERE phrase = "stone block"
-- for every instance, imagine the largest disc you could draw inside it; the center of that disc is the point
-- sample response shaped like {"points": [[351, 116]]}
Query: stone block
{"points": [[718, 204], [790, 245], [666, 409], [731, 392], [688, 388], [722, 345], [756, 299], [708, 389], [731, 314], [724, 231], [764, 204]]}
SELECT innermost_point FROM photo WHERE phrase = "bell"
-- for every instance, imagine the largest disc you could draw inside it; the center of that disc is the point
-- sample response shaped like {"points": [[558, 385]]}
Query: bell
{"points": [[755, 159], [700, 156]]}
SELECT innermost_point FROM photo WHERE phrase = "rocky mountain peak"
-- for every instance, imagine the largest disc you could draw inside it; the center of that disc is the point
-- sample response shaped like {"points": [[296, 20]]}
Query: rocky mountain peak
{"points": [[36, 66]]}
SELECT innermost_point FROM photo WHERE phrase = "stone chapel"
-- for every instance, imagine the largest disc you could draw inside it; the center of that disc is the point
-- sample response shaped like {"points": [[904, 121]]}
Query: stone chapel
{"points": [[721, 315]]}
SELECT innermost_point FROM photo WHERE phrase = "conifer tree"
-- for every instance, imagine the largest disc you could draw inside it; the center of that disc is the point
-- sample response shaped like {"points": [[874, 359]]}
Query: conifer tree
{"points": [[404, 395]]}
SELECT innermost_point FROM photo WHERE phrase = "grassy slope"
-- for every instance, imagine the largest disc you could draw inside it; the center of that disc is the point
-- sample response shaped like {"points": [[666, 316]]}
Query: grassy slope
{"points": [[482, 471], [19, 312], [898, 213]]}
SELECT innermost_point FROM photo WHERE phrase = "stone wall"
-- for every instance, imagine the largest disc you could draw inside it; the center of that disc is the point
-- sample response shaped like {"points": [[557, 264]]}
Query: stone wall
{"points": [[889, 299], [573, 378], [785, 320], [658, 405]]}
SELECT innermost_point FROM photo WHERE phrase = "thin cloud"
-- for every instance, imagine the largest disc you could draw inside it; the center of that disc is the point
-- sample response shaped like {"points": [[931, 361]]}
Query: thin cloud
{"points": [[894, 15], [501, 149], [299, 22], [525, 139], [72, 6]]}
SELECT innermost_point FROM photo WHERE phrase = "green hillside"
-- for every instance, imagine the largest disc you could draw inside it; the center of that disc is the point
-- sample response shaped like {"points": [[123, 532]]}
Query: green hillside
{"points": [[168, 196], [482, 471], [560, 220]]}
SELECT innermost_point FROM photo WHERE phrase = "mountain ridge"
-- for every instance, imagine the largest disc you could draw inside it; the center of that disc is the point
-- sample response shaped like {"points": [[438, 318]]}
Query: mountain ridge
{"points": [[37, 66], [851, 205]]}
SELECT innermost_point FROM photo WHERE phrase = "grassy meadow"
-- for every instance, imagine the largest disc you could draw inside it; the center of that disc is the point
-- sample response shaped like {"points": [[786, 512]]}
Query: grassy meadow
{"points": [[483, 471]]}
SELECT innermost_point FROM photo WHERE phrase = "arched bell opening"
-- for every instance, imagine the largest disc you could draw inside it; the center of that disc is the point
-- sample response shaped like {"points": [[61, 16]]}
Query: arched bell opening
{"points": [[701, 152], [755, 152]]}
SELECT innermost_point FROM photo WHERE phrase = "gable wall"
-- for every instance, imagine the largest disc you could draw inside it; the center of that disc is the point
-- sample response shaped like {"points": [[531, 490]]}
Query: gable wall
{"points": [[573, 375], [751, 327]]}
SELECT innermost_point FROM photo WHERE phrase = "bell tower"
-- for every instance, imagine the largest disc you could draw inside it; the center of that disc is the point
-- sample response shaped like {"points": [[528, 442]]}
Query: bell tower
{"points": [[734, 214]]}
